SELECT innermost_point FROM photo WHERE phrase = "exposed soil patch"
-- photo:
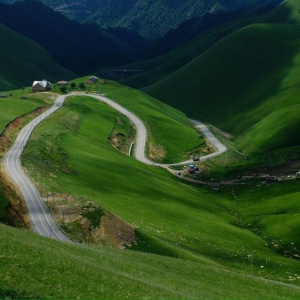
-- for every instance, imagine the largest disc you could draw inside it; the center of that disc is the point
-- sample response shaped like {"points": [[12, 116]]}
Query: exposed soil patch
{"points": [[207, 150], [86, 221], [156, 153], [16, 208], [120, 142], [122, 135]]}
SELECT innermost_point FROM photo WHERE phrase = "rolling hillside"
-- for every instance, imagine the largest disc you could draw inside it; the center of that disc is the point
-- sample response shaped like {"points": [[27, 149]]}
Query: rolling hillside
{"points": [[201, 237], [187, 42], [35, 267], [23, 61], [187, 240], [251, 75]]}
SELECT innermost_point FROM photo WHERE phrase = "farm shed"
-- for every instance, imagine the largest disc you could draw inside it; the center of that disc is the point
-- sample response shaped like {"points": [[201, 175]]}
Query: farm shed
{"points": [[41, 86], [62, 82], [92, 80]]}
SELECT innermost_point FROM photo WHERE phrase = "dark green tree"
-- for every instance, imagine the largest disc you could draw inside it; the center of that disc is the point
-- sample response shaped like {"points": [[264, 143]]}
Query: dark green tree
{"points": [[63, 89]]}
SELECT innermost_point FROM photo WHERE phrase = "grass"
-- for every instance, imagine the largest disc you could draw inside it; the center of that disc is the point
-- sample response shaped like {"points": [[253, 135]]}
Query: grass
{"points": [[24, 61], [251, 77], [235, 244], [71, 153], [13, 107], [274, 216], [160, 67], [35, 267], [164, 124], [259, 100], [171, 216]]}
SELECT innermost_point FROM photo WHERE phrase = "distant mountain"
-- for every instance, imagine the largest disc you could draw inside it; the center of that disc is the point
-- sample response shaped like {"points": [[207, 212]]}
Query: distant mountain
{"points": [[195, 26], [246, 82], [151, 19], [79, 48], [23, 61], [185, 43]]}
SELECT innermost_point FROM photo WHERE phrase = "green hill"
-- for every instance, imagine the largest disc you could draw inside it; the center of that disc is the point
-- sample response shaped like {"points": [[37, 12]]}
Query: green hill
{"points": [[287, 12], [206, 242], [159, 67], [172, 217], [210, 245], [251, 75], [23, 61], [35, 267]]}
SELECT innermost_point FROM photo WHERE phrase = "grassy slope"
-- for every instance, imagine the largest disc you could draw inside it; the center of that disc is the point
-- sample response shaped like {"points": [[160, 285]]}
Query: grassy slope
{"points": [[164, 123], [35, 267], [23, 61], [261, 90], [279, 222], [157, 68], [13, 107], [173, 216]]}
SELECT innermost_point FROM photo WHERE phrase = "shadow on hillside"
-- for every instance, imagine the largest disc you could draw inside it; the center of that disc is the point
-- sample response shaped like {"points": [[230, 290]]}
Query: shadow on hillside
{"points": [[235, 76]]}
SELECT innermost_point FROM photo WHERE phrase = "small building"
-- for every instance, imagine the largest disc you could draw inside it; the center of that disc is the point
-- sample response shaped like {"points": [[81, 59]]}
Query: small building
{"points": [[3, 96], [92, 80], [62, 82], [41, 86]]}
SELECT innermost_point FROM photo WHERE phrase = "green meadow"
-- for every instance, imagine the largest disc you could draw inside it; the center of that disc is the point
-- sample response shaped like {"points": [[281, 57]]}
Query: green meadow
{"points": [[164, 124], [34, 267], [13, 107], [71, 153], [278, 223], [189, 237], [257, 94], [240, 76], [159, 67], [193, 241]]}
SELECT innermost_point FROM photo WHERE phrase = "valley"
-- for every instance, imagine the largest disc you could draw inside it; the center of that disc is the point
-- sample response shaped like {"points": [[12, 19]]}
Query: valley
{"points": [[141, 200], [84, 173]]}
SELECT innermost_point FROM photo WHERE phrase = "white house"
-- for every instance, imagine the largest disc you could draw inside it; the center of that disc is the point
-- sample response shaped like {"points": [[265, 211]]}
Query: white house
{"points": [[41, 86]]}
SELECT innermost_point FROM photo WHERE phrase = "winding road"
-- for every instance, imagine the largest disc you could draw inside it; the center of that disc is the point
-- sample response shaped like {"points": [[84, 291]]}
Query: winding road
{"points": [[41, 220]]}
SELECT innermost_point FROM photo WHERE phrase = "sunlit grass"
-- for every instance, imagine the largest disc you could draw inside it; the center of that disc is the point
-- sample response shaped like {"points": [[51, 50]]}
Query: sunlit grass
{"points": [[173, 218], [35, 267]]}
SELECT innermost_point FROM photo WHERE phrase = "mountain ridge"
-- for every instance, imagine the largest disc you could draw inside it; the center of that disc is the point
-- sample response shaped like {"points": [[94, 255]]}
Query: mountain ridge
{"points": [[151, 19], [79, 48], [23, 60]]}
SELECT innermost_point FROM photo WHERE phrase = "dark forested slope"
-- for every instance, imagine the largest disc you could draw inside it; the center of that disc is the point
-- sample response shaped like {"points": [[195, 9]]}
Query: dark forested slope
{"points": [[79, 48], [151, 19]]}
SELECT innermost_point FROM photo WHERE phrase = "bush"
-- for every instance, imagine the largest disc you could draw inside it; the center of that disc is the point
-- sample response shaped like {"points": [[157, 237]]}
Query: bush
{"points": [[63, 89]]}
